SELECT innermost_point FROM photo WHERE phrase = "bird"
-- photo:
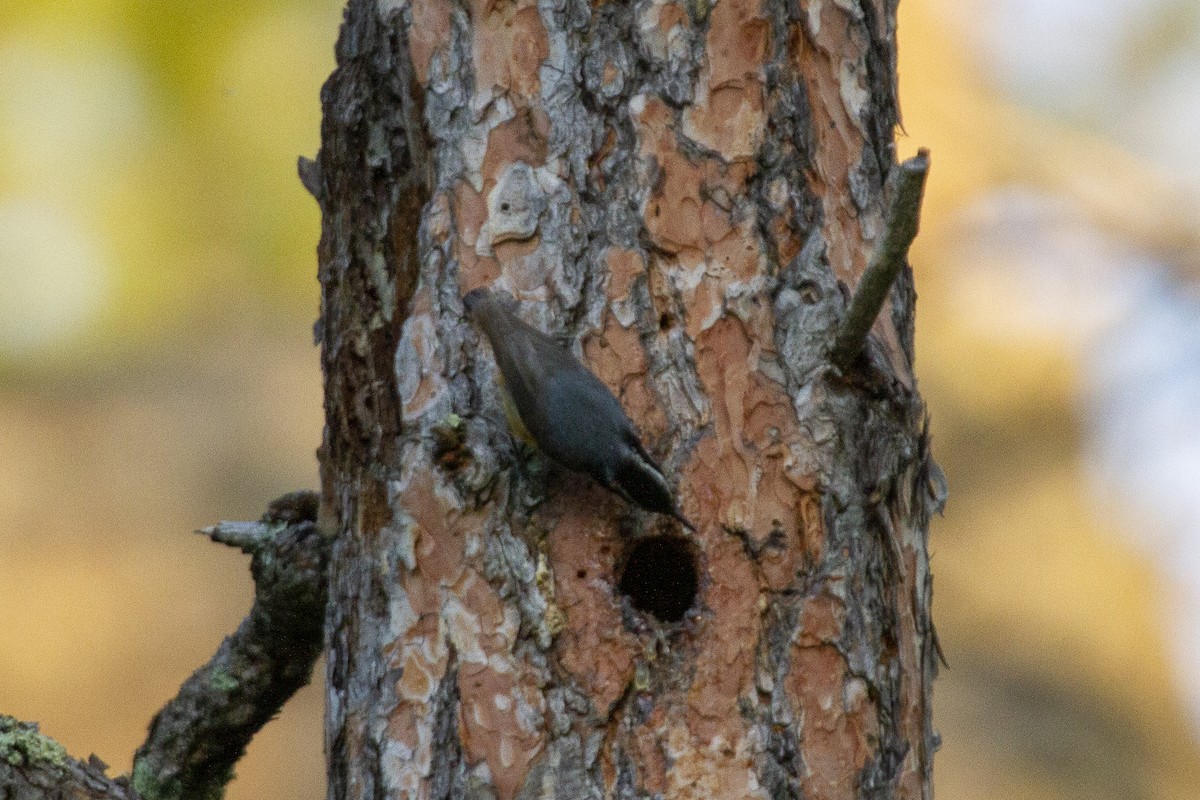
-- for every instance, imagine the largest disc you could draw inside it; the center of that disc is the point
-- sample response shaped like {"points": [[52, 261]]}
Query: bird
{"points": [[558, 404]]}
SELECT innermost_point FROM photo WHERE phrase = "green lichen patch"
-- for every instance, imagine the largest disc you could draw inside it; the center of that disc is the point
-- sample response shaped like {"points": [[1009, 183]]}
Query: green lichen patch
{"points": [[22, 745], [147, 783], [222, 681]]}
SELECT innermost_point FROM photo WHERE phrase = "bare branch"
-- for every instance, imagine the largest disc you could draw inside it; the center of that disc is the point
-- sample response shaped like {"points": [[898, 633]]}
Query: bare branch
{"points": [[906, 186], [249, 537], [195, 740]]}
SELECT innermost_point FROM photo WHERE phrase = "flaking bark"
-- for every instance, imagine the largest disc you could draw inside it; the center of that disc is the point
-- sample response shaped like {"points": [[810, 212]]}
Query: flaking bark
{"points": [[685, 193]]}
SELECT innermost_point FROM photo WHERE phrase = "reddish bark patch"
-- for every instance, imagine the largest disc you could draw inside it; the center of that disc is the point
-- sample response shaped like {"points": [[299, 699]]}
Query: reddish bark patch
{"points": [[524, 137], [676, 764], [594, 648], [470, 212], [617, 357], [680, 215], [672, 14], [821, 621], [616, 353], [729, 120], [840, 141], [787, 244], [737, 43], [728, 115], [813, 520], [509, 251], [780, 530], [832, 59], [652, 777], [724, 667], [445, 606], [499, 695], [428, 34], [510, 45], [624, 267], [744, 468], [839, 721]]}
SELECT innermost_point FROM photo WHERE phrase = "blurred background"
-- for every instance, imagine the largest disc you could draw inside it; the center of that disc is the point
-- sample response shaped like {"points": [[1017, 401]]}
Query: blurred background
{"points": [[157, 373]]}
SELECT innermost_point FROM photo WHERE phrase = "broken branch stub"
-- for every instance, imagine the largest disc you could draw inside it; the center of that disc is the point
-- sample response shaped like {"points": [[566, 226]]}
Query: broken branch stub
{"points": [[905, 189]]}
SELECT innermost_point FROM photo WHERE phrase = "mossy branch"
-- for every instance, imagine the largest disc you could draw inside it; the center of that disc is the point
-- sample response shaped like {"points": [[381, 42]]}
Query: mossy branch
{"points": [[905, 189], [196, 739], [35, 767], [198, 736]]}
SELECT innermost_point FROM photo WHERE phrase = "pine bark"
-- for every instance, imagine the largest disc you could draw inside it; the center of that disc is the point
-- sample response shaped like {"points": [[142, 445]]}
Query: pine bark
{"points": [[685, 194]]}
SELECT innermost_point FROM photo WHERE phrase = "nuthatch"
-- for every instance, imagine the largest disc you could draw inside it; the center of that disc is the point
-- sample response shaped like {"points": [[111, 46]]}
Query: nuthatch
{"points": [[565, 409]]}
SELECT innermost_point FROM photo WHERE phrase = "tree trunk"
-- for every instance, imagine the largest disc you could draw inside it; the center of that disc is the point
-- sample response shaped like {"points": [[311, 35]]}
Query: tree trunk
{"points": [[685, 194]]}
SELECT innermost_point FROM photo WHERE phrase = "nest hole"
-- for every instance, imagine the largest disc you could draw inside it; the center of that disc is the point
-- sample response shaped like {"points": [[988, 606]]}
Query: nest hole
{"points": [[661, 576]]}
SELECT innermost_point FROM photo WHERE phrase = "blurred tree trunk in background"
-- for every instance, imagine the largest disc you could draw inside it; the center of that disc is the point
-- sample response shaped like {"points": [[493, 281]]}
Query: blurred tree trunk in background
{"points": [[688, 191]]}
